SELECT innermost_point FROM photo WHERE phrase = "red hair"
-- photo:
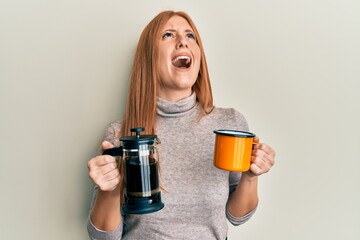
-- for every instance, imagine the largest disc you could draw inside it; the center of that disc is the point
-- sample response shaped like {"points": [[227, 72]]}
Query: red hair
{"points": [[141, 101]]}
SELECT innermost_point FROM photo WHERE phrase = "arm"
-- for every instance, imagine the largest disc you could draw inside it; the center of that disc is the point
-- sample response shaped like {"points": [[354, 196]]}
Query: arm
{"points": [[105, 220], [105, 214], [244, 199]]}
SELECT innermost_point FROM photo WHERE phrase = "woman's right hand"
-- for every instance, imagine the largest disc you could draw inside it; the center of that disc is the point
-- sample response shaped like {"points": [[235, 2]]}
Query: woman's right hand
{"points": [[103, 170]]}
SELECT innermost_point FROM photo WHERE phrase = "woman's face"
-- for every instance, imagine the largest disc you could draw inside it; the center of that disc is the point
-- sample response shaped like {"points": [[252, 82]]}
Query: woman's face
{"points": [[179, 59]]}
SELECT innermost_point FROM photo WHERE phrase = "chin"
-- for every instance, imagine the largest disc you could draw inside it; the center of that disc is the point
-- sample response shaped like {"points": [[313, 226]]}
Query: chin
{"points": [[185, 83]]}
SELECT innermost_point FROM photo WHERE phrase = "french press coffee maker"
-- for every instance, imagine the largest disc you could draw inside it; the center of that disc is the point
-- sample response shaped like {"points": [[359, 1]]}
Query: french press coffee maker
{"points": [[142, 191]]}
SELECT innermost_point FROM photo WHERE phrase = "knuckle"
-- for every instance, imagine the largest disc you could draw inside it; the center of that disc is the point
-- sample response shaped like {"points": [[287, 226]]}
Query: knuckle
{"points": [[272, 161], [103, 185], [102, 188], [109, 158], [116, 181], [90, 163], [93, 176]]}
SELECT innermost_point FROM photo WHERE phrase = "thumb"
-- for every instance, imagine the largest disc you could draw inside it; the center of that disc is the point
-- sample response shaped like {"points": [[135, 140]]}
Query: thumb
{"points": [[106, 145]]}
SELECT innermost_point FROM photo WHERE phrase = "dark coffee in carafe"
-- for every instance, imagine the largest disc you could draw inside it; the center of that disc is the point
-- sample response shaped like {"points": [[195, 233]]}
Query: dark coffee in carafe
{"points": [[142, 192], [141, 179]]}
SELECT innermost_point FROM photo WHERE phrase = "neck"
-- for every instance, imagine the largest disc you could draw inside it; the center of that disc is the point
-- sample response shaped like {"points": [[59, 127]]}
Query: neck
{"points": [[174, 96]]}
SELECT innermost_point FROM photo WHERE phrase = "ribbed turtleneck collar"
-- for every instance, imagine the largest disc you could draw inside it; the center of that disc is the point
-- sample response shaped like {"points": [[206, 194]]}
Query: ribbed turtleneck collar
{"points": [[174, 109]]}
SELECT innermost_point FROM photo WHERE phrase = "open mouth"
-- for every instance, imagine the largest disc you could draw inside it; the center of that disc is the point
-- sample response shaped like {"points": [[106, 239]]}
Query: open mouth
{"points": [[181, 61]]}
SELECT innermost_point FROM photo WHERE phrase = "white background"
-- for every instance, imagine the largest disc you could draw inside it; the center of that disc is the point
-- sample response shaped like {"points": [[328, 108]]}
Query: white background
{"points": [[291, 67]]}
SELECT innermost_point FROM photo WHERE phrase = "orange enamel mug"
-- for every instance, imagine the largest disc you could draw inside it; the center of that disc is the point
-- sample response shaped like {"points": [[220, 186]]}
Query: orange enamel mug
{"points": [[233, 150]]}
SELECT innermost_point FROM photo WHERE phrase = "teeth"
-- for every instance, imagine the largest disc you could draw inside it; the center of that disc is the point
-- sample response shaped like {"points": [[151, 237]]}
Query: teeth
{"points": [[181, 57], [182, 61]]}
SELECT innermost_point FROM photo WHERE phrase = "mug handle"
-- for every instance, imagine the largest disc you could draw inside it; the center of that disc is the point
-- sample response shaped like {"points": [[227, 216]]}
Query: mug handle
{"points": [[254, 143]]}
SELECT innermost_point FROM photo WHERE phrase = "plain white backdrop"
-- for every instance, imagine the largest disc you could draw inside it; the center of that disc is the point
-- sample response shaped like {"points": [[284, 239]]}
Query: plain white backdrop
{"points": [[291, 67]]}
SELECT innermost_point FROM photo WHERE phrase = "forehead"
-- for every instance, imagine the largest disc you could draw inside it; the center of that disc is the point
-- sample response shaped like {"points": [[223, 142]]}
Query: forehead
{"points": [[177, 22]]}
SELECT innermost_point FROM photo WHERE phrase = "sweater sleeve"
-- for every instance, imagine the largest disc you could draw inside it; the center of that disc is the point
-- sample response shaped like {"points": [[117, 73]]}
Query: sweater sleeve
{"points": [[236, 221], [111, 135]]}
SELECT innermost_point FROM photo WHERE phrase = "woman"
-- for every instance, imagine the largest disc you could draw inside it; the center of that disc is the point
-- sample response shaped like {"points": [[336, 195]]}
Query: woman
{"points": [[170, 95]]}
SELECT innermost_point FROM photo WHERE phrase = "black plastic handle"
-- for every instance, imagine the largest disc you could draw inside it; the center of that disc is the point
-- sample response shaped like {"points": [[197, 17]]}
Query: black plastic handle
{"points": [[117, 151]]}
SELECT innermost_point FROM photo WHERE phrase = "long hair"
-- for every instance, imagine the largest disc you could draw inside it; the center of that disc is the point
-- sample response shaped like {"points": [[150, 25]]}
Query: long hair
{"points": [[141, 101]]}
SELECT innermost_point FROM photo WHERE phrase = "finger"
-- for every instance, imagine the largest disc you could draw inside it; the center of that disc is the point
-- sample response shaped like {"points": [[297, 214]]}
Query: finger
{"points": [[264, 156], [99, 161], [101, 171], [111, 175], [264, 160], [106, 145], [266, 148], [263, 164], [109, 185], [256, 170], [256, 139], [101, 174], [105, 159], [105, 169]]}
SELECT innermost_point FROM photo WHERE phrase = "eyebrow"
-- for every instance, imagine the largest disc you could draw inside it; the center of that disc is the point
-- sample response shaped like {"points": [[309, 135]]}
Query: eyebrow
{"points": [[173, 30]]}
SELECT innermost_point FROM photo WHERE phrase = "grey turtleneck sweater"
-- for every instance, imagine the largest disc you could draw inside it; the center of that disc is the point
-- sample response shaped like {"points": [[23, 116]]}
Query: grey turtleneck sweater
{"points": [[196, 192]]}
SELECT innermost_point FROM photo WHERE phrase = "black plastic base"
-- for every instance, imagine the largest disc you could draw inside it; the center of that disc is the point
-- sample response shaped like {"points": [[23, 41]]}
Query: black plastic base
{"points": [[143, 205]]}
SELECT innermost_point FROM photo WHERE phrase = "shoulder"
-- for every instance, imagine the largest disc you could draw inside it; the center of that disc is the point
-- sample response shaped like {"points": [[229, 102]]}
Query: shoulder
{"points": [[115, 125], [112, 130], [227, 112], [231, 118]]}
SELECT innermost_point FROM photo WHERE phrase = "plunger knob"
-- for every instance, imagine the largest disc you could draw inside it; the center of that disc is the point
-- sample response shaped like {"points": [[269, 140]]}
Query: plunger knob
{"points": [[137, 131]]}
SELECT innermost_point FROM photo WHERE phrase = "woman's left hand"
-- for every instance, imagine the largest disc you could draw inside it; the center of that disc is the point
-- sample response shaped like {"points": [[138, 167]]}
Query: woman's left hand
{"points": [[262, 158]]}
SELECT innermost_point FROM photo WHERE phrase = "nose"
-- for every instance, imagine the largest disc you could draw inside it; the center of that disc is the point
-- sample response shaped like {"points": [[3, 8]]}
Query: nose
{"points": [[181, 43]]}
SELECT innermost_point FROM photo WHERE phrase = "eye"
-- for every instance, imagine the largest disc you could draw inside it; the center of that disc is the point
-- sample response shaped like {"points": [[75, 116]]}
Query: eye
{"points": [[167, 35], [190, 35]]}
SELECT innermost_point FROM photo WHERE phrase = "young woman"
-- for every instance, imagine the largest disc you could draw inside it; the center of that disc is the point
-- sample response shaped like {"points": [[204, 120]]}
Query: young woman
{"points": [[170, 95]]}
